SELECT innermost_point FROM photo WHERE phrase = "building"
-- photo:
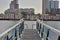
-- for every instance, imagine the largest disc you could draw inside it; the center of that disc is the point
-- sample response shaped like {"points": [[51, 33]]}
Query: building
{"points": [[9, 11], [13, 7], [44, 6], [1, 16], [49, 5], [50, 17], [14, 4], [27, 11], [53, 5]]}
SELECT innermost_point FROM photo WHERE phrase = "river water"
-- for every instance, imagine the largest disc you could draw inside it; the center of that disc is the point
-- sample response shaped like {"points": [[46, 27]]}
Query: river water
{"points": [[5, 25], [56, 25]]}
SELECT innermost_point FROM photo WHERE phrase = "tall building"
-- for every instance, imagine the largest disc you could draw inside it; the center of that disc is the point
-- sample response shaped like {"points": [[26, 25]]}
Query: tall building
{"points": [[53, 5], [13, 7], [14, 4], [49, 5], [44, 6]]}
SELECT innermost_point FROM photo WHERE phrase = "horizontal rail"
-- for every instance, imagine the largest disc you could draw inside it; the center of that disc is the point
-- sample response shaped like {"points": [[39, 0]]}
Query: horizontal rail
{"points": [[50, 27], [2, 34]]}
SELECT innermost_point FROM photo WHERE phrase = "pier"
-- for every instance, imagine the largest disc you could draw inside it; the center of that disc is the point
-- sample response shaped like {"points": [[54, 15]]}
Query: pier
{"points": [[30, 30]]}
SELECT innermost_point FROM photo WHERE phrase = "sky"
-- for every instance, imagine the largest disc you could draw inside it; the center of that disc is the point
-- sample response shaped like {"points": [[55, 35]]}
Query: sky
{"points": [[36, 4]]}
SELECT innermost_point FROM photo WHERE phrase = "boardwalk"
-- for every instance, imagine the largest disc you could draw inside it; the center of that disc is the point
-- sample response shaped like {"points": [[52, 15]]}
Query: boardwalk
{"points": [[30, 34]]}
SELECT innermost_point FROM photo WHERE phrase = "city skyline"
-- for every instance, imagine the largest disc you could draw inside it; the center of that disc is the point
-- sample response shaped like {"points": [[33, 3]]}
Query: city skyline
{"points": [[4, 5]]}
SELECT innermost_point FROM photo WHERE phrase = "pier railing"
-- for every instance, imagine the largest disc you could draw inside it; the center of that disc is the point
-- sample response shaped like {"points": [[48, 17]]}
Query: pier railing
{"points": [[14, 32], [46, 31]]}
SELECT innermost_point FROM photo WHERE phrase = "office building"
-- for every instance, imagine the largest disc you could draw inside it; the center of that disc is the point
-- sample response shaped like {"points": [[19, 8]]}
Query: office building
{"points": [[49, 5], [13, 7], [53, 5], [27, 10], [44, 6], [14, 4]]}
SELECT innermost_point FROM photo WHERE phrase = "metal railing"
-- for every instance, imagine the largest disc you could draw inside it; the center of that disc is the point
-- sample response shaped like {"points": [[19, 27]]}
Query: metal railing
{"points": [[46, 31], [14, 32]]}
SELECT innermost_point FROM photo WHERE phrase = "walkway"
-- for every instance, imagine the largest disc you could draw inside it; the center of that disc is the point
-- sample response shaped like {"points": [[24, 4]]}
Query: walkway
{"points": [[30, 34]]}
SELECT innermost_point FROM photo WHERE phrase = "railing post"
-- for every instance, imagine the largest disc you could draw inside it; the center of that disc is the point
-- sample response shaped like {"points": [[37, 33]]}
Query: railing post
{"points": [[40, 30], [58, 37], [13, 34], [5, 38], [49, 35], [21, 28], [18, 31], [37, 26], [44, 33]]}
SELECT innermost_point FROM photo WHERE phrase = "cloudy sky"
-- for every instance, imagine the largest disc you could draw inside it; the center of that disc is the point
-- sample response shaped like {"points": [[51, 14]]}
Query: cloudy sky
{"points": [[4, 4]]}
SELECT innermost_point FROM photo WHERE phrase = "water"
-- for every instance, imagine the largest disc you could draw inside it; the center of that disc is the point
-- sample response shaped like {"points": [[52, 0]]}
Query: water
{"points": [[56, 25], [5, 25]]}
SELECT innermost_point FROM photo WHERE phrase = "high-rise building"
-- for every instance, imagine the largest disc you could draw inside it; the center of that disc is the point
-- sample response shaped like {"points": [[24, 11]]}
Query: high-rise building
{"points": [[44, 6], [53, 5], [13, 7], [49, 5], [14, 4]]}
